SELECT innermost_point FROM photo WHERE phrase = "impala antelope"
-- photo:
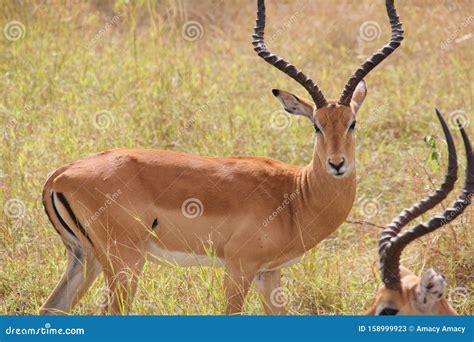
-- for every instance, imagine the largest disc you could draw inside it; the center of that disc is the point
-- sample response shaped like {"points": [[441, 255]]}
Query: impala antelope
{"points": [[174, 206], [402, 292]]}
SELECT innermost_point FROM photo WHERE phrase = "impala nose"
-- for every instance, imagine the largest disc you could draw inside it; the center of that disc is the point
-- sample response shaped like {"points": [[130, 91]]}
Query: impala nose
{"points": [[336, 165]]}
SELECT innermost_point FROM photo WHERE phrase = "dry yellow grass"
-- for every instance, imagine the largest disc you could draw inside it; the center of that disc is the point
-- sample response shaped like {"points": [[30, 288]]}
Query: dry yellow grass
{"points": [[212, 96]]}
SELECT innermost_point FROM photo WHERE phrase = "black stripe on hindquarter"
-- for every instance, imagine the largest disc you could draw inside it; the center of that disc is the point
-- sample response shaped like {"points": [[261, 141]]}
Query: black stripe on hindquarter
{"points": [[154, 224], [72, 215], [51, 220], [49, 216], [61, 220]]}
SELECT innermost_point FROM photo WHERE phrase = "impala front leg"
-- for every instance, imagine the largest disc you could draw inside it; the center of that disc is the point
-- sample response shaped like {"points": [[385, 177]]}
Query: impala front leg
{"points": [[268, 284], [237, 281], [121, 277]]}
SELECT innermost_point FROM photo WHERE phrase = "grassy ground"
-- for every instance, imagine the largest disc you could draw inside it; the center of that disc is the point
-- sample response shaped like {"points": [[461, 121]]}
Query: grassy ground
{"points": [[78, 78]]}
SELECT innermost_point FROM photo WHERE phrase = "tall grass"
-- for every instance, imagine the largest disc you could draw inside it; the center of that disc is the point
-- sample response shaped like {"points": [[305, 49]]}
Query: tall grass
{"points": [[90, 76]]}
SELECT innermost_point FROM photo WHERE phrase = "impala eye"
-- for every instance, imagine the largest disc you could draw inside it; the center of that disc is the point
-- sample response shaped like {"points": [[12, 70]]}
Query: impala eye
{"points": [[388, 312], [352, 126], [317, 129]]}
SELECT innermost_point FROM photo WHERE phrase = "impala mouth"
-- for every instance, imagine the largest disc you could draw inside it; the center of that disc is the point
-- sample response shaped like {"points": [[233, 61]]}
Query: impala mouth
{"points": [[340, 173]]}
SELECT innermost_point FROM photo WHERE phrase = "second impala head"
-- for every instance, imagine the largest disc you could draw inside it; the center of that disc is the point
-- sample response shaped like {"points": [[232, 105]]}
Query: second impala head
{"points": [[335, 128]]}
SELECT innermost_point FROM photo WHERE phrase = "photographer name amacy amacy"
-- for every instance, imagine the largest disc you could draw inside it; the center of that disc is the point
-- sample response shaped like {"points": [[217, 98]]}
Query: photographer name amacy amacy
{"points": [[440, 329]]}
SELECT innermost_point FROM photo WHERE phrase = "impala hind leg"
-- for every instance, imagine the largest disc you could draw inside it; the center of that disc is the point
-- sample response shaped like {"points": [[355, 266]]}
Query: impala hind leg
{"points": [[81, 271], [121, 277], [271, 293]]}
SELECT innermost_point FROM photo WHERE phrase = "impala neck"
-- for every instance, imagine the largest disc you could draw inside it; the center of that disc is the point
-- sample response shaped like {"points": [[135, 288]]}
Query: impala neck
{"points": [[324, 202]]}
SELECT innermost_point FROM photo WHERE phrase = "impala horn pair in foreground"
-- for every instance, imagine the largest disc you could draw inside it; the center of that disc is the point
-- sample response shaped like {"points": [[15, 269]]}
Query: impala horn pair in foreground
{"points": [[404, 293], [257, 215]]}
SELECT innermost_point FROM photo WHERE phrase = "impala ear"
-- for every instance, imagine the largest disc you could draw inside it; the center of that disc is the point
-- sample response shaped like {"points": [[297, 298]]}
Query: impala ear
{"points": [[293, 104], [431, 288], [359, 96]]}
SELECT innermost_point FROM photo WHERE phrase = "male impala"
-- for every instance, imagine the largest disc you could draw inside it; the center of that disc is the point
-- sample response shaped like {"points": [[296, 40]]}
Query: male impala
{"points": [[403, 292], [175, 206]]}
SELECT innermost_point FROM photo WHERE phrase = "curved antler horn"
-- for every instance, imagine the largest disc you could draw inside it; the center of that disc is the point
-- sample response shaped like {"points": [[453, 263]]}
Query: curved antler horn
{"points": [[376, 58], [390, 250], [278, 62]]}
